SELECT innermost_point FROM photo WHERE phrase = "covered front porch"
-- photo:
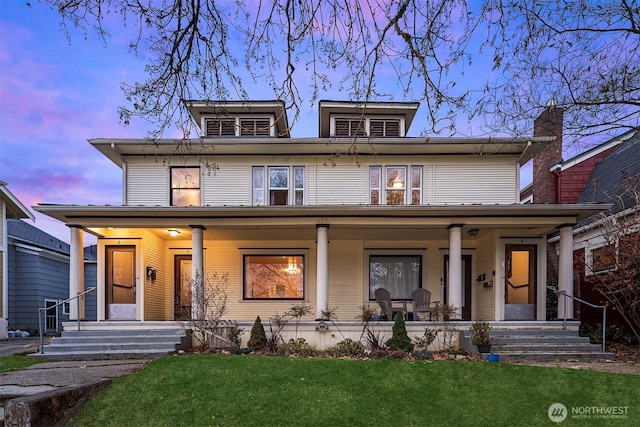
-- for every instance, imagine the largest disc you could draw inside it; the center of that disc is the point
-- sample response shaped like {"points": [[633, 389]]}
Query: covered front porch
{"points": [[489, 262]]}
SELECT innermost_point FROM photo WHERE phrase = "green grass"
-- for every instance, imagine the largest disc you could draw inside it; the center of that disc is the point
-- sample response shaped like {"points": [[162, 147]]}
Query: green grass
{"points": [[11, 363], [199, 390]]}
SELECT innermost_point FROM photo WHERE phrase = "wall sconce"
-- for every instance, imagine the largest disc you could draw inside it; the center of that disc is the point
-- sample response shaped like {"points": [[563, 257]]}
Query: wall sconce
{"points": [[472, 232], [151, 273], [173, 232]]}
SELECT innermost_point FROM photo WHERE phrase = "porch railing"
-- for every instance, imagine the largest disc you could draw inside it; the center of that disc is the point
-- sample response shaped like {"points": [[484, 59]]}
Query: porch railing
{"points": [[59, 303], [564, 320]]}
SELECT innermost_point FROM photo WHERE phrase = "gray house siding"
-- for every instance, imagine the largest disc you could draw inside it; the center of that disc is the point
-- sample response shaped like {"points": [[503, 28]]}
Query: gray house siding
{"points": [[38, 271]]}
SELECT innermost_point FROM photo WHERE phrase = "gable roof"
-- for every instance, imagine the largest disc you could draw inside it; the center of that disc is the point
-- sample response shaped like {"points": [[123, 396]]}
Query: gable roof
{"points": [[31, 235], [15, 208], [616, 176]]}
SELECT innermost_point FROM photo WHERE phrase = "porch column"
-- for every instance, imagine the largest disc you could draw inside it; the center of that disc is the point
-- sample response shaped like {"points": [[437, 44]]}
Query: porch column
{"points": [[76, 272], [197, 272], [322, 265], [455, 268], [565, 270]]}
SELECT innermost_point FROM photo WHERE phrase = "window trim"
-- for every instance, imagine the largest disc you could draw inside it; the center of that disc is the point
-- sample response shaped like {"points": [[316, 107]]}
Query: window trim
{"points": [[304, 252], [266, 185], [171, 187], [420, 252], [408, 184], [367, 125], [589, 255], [238, 130]]}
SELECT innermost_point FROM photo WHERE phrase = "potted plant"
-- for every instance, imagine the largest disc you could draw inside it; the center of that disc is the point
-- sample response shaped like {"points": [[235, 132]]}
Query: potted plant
{"points": [[480, 336]]}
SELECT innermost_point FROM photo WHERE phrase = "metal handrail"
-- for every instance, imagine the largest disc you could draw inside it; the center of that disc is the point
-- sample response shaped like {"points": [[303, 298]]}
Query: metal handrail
{"points": [[564, 320], [60, 302]]}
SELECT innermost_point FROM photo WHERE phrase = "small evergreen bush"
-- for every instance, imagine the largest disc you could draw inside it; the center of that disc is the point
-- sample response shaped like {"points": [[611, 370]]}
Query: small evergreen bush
{"points": [[400, 339], [258, 337]]}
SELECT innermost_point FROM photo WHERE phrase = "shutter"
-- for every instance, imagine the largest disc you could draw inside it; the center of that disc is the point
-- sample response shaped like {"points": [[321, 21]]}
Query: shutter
{"points": [[341, 128], [376, 128], [392, 128], [255, 127], [220, 127]]}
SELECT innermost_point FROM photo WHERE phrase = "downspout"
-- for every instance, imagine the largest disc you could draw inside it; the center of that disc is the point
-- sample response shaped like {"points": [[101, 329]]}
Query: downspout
{"points": [[5, 267]]}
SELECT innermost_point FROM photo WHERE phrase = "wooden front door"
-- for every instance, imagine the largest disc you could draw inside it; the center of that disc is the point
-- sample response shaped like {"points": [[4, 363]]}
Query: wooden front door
{"points": [[520, 282], [120, 282], [182, 287]]}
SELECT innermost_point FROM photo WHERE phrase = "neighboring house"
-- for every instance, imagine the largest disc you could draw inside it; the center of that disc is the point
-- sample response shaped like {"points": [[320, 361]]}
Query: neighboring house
{"points": [[38, 274], [291, 222], [608, 174], [10, 208]]}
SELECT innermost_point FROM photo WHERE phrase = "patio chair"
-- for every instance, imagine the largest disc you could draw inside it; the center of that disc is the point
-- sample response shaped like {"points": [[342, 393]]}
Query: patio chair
{"points": [[422, 303], [383, 298]]}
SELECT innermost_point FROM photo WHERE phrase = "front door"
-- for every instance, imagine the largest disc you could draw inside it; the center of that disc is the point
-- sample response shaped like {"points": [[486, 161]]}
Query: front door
{"points": [[520, 282], [466, 285], [182, 287], [121, 282]]}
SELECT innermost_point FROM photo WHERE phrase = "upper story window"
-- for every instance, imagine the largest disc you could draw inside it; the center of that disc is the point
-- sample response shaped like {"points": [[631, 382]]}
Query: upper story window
{"points": [[391, 185], [367, 126], [603, 259], [239, 126], [185, 186], [282, 185]]}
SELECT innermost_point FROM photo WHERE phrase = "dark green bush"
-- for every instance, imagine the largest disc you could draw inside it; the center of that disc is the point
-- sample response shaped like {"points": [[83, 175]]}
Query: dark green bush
{"points": [[258, 337], [400, 339]]}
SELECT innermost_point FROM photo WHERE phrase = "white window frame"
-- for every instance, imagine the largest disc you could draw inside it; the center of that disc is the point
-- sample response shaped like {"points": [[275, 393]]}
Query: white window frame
{"points": [[292, 189], [238, 119], [367, 120], [408, 184], [172, 188]]}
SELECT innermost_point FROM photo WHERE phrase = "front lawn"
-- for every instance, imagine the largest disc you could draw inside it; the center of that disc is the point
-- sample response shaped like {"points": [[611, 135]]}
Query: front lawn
{"points": [[11, 363], [210, 390]]}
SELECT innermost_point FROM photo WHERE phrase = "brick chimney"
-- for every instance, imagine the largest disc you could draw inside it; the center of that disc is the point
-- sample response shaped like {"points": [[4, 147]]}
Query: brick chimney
{"points": [[549, 123]]}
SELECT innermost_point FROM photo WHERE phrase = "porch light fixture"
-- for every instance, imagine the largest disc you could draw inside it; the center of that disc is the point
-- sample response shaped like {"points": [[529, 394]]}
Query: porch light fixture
{"points": [[472, 232], [173, 232]]}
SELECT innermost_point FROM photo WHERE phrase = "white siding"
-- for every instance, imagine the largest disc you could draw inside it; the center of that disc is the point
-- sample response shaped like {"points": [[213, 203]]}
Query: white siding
{"points": [[342, 184], [230, 185], [147, 184], [446, 179], [474, 180]]}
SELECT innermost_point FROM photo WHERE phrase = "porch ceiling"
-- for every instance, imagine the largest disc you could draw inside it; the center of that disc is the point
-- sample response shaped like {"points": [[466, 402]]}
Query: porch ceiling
{"points": [[346, 222]]}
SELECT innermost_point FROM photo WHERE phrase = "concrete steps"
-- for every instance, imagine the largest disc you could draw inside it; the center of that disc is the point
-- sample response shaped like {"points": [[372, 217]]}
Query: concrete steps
{"points": [[536, 344], [99, 342]]}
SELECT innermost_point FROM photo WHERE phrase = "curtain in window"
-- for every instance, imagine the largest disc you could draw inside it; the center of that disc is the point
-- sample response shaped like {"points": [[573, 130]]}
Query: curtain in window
{"points": [[399, 274]]}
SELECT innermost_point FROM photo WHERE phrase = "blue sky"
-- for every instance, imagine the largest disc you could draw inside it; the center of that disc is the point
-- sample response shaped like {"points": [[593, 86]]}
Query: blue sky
{"points": [[56, 93]]}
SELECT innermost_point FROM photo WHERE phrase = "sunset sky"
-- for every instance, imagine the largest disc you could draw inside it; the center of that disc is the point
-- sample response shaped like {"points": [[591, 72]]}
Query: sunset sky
{"points": [[56, 93]]}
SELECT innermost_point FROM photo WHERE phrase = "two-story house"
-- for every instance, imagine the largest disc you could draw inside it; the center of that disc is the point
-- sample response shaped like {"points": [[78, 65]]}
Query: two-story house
{"points": [[294, 220]]}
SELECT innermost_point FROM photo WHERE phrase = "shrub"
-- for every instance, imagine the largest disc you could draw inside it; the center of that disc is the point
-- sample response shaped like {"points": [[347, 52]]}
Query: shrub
{"points": [[298, 347], [400, 339], [347, 348], [258, 337]]}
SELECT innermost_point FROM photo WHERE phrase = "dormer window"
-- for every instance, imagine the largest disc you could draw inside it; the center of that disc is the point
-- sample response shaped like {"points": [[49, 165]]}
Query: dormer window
{"points": [[375, 127], [239, 126]]}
